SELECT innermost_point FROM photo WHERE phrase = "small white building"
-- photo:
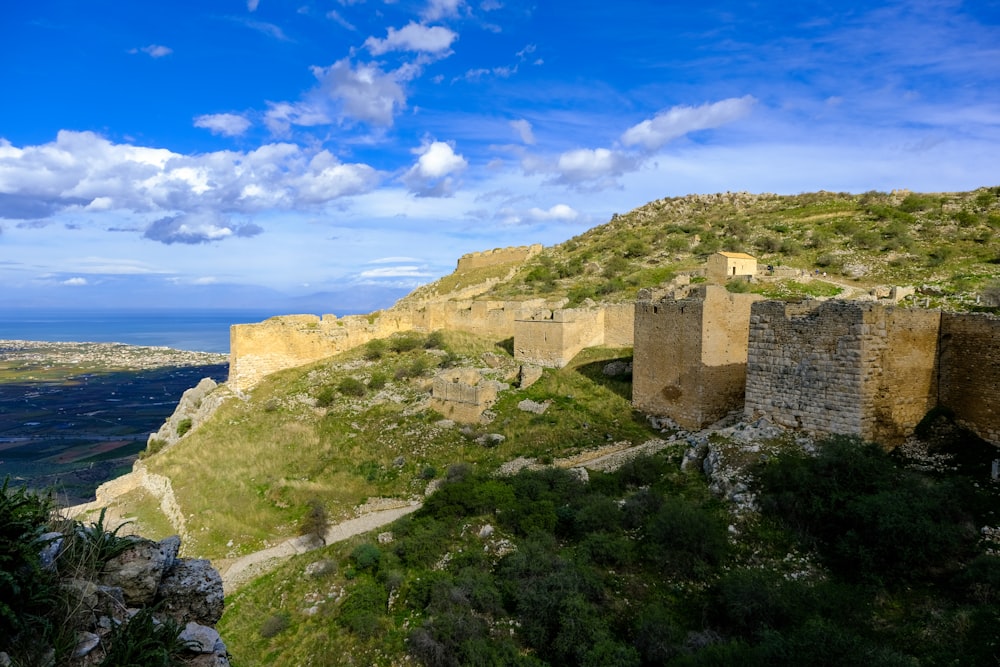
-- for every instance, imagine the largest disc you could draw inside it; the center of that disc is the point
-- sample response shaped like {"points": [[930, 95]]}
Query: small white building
{"points": [[722, 266]]}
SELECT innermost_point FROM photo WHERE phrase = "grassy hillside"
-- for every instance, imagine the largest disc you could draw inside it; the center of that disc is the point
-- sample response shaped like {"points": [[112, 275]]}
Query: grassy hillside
{"points": [[357, 427], [948, 242], [641, 567]]}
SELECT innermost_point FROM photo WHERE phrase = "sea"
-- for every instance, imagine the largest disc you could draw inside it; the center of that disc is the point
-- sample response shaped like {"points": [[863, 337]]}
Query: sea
{"points": [[194, 330]]}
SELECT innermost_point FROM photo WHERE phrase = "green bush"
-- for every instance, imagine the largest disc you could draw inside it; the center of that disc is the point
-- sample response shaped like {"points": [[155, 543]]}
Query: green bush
{"points": [[315, 521], [274, 625], [183, 426], [375, 349], [366, 556], [868, 518], [406, 342], [144, 640], [325, 396], [350, 386], [377, 381]]}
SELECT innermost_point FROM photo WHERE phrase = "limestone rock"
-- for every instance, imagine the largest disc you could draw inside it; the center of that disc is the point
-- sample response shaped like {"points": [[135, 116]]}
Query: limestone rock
{"points": [[138, 570], [192, 591], [527, 405], [201, 638]]}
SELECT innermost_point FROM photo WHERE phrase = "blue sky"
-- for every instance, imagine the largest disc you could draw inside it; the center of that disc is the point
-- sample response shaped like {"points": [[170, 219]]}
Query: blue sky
{"points": [[251, 152]]}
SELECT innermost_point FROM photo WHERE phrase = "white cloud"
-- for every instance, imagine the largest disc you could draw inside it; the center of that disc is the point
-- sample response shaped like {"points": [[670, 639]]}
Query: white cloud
{"points": [[523, 129], [252, 5], [75, 281], [437, 9], [677, 121], [154, 50], [560, 212], [364, 93], [226, 124], [83, 172], [431, 176], [413, 37], [396, 272], [393, 260], [598, 166]]}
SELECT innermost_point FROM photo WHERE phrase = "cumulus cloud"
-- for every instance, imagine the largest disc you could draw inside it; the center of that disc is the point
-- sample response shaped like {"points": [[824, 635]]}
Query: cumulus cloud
{"points": [[364, 93], [523, 129], [595, 167], [432, 175], [225, 124], [197, 227], [557, 213], [413, 37], [677, 121], [84, 172]]}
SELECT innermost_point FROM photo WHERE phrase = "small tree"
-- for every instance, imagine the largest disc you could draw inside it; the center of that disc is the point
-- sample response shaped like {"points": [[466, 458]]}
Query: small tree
{"points": [[315, 521]]}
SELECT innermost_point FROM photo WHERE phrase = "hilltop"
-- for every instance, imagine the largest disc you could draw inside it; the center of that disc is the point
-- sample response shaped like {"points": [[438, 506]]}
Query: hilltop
{"points": [[354, 432]]}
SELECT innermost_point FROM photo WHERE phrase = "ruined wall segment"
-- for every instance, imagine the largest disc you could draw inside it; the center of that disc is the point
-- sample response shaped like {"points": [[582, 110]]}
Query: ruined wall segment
{"points": [[689, 358], [970, 372], [478, 260], [856, 368], [553, 337], [463, 394]]}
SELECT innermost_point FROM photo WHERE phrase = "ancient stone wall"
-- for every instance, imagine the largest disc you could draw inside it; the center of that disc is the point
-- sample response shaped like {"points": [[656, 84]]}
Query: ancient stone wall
{"points": [[970, 372], [619, 325], [850, 367], [553, 337], [689, 358], [463, 394], [476, 260]]}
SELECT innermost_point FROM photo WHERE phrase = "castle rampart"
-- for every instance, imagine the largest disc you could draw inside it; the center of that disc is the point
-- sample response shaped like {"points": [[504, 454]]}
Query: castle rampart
{"points": [[858, 368], [690, 355]]}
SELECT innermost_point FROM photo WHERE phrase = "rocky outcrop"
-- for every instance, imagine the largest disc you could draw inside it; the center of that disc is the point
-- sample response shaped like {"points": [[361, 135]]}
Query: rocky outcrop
{"points": [[148, 577], [196, 405]]}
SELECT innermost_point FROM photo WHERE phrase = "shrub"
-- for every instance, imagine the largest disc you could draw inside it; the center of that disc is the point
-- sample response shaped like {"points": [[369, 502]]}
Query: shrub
{"points": [[183, 426], [434, 341], [325, 396], [404, 343], [377, 381], [274, 625], [144, 640], [315, 520], [350, 386], [375, 349], [366, 556]]}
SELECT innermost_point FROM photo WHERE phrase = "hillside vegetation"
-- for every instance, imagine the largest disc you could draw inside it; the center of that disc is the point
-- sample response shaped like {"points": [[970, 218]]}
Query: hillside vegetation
{"points": [[848, 556], [947, 243]]}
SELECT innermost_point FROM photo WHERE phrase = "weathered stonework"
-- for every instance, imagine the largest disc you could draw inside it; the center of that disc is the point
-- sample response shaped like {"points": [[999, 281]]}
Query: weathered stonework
{"points": [[856, 368], [463, 394], [690, 354], [970, 372]]}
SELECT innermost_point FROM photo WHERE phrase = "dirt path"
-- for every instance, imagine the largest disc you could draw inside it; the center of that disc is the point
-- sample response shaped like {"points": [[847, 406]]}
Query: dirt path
{"points": [[241, 571]]}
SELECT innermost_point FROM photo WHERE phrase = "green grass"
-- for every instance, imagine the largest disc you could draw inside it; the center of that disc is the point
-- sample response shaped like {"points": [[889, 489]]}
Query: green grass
{"points": [[248, 474]]}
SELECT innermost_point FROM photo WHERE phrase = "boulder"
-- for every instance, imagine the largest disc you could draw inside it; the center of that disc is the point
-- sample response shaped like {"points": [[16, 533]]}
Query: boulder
{"points": [[191, 590], [138, 570]]}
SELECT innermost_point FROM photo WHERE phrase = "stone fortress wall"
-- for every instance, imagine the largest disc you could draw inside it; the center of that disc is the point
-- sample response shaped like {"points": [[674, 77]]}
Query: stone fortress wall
{"points": [[822, 366], [700, 352], [544, 332]]}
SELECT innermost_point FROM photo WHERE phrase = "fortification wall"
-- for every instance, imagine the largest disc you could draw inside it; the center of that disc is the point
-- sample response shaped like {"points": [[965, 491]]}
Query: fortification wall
{"points": [[619, 325], [476, 260], [900, 364], [257, 350], [803, 366], [463, 394], [689, 359], [553, 337], [970, 372], [857, 368]]}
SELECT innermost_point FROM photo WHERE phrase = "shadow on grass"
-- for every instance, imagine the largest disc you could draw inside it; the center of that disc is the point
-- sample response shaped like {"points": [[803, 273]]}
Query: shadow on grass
{"points": [[621, 383]]}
